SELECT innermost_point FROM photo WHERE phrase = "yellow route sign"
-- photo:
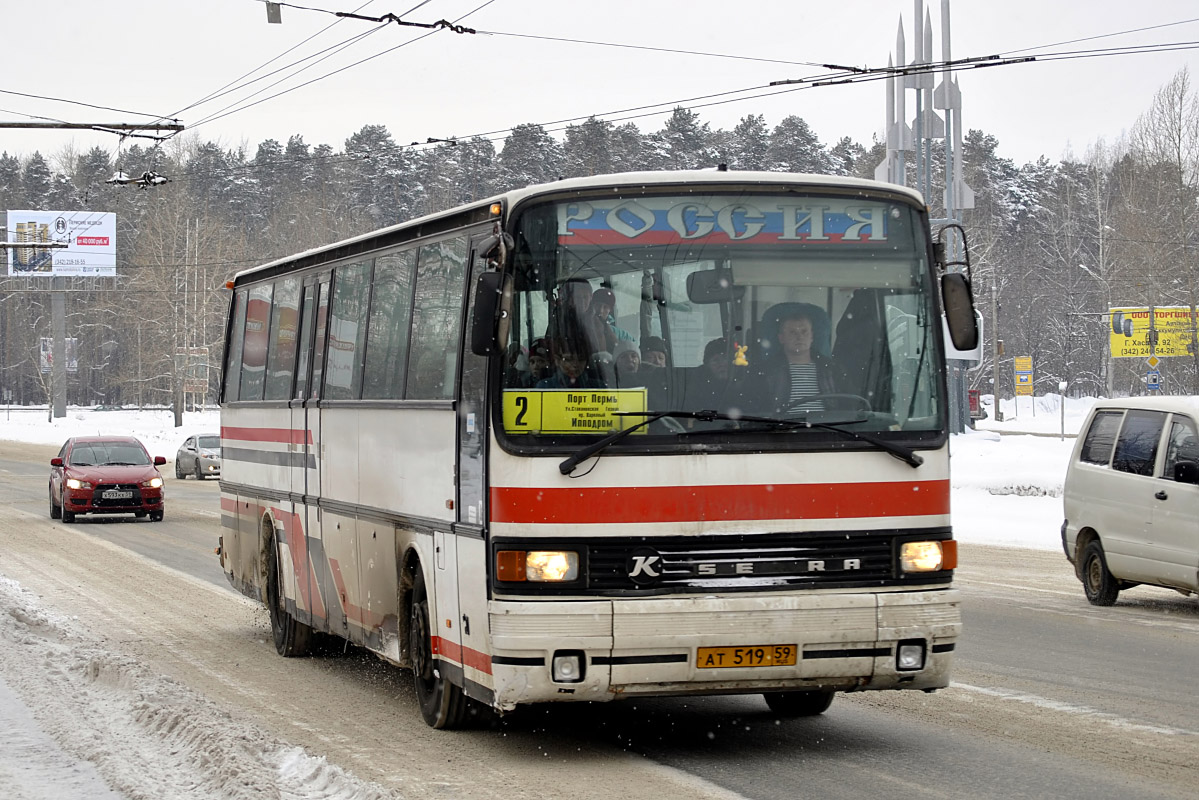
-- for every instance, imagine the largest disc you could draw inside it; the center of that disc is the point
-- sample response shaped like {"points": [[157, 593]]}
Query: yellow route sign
{"points": [[571, 410], [1129, 332]]}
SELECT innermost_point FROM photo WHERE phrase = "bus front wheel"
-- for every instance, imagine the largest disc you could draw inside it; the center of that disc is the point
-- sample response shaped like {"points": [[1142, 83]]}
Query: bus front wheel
{"points": [[799, 704], [442, 704], [292, 637]]}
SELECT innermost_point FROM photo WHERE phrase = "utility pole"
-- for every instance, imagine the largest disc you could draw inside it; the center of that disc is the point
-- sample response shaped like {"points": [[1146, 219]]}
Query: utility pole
{"points": [[995, 350], [58, 330]]}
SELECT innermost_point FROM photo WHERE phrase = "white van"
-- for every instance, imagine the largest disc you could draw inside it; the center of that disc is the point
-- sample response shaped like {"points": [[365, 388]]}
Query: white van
{"points": [[1132, 497]]}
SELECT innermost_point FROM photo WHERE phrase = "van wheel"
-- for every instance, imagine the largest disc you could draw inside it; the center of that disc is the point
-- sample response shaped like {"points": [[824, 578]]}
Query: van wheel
{"points": [[292, 637], [442, 704], [1097, 581], [799, 704]]}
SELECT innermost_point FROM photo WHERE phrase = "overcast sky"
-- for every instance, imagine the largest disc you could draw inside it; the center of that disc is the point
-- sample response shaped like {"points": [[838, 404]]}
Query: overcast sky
{"points": [[164, 58]]}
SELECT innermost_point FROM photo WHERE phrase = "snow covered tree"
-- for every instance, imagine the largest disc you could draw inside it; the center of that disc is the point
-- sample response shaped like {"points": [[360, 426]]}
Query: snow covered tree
{"points": [[794, 147], [530, 156], [750, 143]]}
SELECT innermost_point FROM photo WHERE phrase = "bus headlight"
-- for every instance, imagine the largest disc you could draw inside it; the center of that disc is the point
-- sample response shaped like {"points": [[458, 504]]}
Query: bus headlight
{"points": [[541, 566], [928, 556]]}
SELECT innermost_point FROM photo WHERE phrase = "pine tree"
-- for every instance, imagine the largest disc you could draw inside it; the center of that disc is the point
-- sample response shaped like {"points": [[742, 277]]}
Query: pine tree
{"points": [[37, 183], [794, 147], [588, 148], [751, 141], [530, 156]]}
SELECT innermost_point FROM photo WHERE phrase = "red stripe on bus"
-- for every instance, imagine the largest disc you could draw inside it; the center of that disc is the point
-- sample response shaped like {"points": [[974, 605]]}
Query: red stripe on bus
{"points": [[626, 504], [279, 435], [452, 651]]}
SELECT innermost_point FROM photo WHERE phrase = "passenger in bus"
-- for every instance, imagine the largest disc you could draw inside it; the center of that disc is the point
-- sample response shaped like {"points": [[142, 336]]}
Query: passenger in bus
{"points": [[629, 370], [539, 361], [707, 387], [603, 368], [570, 368], [794, 373], [601, 322], [653, 351], [528, 369]]}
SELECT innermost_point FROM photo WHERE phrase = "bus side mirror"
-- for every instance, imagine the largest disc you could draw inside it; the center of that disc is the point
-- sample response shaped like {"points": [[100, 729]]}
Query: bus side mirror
{"points": [[489, 323], [958, 302]]}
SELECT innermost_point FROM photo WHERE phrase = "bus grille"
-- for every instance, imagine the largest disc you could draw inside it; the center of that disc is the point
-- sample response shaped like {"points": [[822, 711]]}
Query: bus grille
{"points": [[863, 558]]}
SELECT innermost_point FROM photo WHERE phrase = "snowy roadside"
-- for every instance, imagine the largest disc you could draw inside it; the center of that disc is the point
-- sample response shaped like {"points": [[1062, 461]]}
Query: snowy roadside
{"points": [[78, 720]]}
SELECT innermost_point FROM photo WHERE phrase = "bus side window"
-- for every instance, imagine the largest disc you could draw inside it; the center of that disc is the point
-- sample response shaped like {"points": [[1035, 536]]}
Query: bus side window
{"points": [[388, 329], [281, 358], [437, 319], [347, 331], [237, 333]]}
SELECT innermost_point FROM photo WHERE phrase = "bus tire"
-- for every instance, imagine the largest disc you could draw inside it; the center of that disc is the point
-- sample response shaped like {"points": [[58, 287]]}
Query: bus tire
{"points": [[799, 704], [292, 637], [1098, 583], [442, 704]]}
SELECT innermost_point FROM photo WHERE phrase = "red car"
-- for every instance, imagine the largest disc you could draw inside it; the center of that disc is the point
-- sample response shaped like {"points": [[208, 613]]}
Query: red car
{"points": [[105, 475]]}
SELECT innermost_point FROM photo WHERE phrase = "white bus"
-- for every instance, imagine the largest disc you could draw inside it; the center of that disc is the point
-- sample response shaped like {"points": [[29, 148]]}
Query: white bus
{"points": [[645, 434]]}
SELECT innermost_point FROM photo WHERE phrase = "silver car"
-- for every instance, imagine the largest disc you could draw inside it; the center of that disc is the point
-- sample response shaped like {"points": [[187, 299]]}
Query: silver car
{"points": [[199, 456]]}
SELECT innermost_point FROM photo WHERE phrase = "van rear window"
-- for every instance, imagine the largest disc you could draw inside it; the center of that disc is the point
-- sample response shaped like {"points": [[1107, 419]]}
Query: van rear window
{"points": [[1136, 449], [1097, 446]]}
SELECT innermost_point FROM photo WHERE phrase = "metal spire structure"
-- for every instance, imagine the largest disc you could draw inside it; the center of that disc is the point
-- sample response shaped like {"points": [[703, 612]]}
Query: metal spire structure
{"points": [[918, 140]]}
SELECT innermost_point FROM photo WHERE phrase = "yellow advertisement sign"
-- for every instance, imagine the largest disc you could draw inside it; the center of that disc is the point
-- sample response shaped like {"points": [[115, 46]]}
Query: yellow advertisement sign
{"points": [[1130, 327], [1022, 370], [555, 411]]}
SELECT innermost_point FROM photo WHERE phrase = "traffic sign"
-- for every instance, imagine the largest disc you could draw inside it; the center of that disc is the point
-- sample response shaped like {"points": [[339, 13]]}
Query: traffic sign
{"points": [[1153, 379], [1153, 361]]}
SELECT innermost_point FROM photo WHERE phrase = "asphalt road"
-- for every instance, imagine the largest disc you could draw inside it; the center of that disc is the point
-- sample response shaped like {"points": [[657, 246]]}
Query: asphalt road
{"points": [[1051, 698]]}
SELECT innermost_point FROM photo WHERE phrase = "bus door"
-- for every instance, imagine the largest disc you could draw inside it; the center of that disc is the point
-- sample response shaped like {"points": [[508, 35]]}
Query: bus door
{"points": [[470, 528], [305, 443]]}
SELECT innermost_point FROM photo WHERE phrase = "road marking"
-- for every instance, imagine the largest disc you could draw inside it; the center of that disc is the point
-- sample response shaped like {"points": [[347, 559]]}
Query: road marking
{"points": [[1069, 708], [968, 582]]}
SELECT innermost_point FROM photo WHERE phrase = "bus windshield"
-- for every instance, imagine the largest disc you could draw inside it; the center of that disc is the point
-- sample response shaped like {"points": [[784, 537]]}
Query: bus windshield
{"points": [[755, 305]]}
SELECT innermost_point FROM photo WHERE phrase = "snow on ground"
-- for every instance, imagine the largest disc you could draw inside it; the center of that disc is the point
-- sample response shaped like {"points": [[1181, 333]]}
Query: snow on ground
{"points": [[1006, 490]]}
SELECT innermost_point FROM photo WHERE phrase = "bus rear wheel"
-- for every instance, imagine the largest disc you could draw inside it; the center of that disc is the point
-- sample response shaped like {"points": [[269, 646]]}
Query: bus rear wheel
{"points": [[292, 637], [442, 704], [799, 704]]}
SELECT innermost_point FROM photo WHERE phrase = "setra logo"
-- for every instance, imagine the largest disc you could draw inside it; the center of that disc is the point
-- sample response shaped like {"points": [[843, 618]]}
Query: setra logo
{"points": [[644, 566]]}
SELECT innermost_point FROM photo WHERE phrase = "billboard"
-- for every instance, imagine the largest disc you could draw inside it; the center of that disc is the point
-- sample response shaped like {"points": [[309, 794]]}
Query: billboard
{"points": [[1129, 331], [90, 238]]}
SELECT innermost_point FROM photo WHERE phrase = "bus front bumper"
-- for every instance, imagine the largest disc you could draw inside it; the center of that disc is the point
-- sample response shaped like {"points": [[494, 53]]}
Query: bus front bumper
{"points": [[644, 647]]}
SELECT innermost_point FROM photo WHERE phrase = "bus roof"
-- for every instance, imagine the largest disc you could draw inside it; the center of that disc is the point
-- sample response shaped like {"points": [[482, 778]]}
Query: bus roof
{"points": [[658, 178]]}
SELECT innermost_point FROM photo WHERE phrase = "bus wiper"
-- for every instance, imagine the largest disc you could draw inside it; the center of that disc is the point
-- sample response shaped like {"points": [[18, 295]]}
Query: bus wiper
{"points": [[899, 451], [581, 455]]}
